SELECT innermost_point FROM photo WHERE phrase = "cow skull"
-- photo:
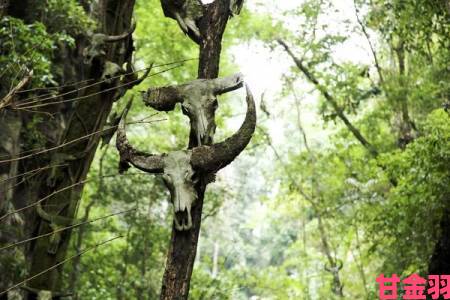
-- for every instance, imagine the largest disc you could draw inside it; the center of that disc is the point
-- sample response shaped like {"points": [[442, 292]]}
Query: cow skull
{"points": [[180, 178], [180, 168], [186, 13], [198, 100]]}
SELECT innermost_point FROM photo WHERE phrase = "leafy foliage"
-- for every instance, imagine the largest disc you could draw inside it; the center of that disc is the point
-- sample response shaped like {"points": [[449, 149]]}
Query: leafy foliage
{"points": [[24, 47]]}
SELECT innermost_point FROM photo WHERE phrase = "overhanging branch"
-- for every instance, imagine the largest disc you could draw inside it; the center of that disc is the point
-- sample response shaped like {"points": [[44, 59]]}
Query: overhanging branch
{"points": [[330, 99]]}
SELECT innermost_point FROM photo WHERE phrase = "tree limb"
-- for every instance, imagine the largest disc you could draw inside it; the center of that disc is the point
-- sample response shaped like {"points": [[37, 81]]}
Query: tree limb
{"points": [[330, 99], [9, 97]]}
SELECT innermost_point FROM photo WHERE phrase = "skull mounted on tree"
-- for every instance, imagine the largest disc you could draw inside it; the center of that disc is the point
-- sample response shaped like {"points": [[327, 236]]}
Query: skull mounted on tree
{"points": [[187, 13], [180, 169], [198, 100]]}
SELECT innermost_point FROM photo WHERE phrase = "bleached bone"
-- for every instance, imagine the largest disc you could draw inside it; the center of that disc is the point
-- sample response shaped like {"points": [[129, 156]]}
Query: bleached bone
{"points": [[180, 169], [186, 13], [98, 41], [198, 100], [235, 7]]}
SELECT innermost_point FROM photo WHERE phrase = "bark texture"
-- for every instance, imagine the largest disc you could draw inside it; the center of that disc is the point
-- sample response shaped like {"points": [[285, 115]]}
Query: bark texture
{"points": [[74, 119], [88, 116], [183, 244]]}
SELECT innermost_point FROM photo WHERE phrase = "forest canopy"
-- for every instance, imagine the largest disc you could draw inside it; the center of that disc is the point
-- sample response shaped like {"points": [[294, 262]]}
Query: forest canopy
{"points": [[340, 173]]}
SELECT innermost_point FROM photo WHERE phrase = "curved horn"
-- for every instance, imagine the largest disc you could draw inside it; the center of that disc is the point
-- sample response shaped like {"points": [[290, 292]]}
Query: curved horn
{"points": [[116, 38], [212, 158], [141, 160]]}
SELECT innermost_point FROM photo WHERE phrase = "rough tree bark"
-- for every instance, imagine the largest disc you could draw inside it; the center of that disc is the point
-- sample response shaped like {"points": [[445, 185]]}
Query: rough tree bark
{"points": [[183, 244], [89, 115], [75, 119]]}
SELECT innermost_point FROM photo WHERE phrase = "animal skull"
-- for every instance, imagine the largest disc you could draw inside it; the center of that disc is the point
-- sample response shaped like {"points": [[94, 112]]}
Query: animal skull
{"points": [[186, 13], [198, 100], [180, 168], [180, 178]]}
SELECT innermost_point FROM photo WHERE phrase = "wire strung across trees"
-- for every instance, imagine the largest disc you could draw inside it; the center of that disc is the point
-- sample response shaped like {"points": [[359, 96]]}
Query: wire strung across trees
{"points": [[60, 191], [60, 263], [66, 228], [50, 96]]}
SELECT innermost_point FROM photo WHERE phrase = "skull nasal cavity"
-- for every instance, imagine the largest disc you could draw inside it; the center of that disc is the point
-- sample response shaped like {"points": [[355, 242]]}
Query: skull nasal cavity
{"points": [[182, 216]]}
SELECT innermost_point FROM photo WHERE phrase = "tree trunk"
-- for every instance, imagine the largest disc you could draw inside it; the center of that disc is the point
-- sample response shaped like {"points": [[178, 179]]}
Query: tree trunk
{"points": [[10, 232], [83, 117], [183, 244]]}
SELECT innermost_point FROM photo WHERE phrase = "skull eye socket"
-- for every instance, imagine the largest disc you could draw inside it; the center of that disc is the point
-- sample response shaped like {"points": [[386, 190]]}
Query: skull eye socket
{"points": [[215, 104], [194, 177]]}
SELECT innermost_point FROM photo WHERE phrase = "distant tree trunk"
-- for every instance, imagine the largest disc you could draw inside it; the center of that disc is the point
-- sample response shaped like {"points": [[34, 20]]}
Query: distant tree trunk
{"points": [[183, 244], [75, 274], [407, 127], [215, 268]]}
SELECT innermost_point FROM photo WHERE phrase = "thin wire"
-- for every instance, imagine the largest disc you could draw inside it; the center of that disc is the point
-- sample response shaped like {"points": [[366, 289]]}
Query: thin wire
{"points": [[87, 80], [23, 105], [43, 199], [45, 150], [56, 147], [42, 97], [57, 192], [60, 263], [66, 228], [31, 171]]}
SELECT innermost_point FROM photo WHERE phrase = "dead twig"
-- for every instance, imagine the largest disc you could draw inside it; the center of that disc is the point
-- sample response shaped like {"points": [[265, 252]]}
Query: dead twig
{"points": [[7, 100]]}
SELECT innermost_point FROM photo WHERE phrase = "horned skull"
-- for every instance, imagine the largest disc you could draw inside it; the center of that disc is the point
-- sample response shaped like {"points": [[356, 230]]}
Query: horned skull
{"points": [[180, 169], [198, 100], [186, 13]]}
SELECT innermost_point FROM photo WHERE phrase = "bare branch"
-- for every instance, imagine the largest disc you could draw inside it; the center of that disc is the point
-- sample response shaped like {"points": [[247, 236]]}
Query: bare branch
{"points": [[372, 48], [7, 100], [330, 99]]}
